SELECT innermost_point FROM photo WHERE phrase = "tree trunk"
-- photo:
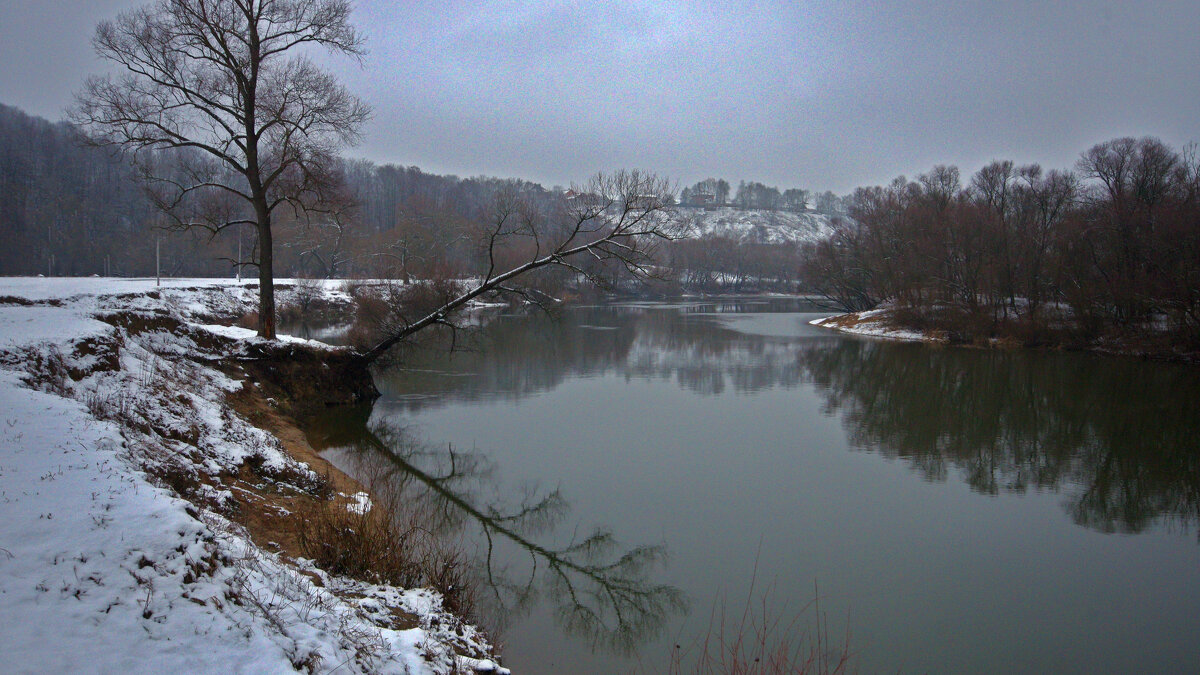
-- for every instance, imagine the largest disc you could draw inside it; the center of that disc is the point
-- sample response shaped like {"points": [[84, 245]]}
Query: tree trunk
{"points": [[266, 280]]}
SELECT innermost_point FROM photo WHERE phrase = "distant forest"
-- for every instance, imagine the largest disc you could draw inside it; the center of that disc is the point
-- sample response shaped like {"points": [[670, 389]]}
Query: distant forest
{"points": [[1109, 250], [69, 209], [755, 195]]}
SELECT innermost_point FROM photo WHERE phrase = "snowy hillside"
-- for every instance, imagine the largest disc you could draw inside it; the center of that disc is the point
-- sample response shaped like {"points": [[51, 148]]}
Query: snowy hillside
{"points": [[127, 479], [758, 226]]}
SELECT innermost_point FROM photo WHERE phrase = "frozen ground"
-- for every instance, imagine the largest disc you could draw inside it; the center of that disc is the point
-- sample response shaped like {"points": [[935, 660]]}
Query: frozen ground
{"points": [[102, 570]]}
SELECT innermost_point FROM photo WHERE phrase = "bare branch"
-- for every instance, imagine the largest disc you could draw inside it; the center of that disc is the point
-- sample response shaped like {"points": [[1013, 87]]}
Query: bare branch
{"points": [[613, 220]]}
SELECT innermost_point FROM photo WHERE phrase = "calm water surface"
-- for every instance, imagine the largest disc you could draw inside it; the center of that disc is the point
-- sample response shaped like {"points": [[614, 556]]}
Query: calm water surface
{"points": [[954, 510]]}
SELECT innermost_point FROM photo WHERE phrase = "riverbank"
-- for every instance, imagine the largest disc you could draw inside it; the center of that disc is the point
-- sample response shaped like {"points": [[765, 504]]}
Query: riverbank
{"points": [[155, 497], [873, 323], [946, 327]]}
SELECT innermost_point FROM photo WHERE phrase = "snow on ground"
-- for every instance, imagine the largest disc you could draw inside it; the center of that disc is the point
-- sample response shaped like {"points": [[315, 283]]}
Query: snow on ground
{"points": [[46, 325], [90, 571], [48, 288], [874, 323], [102, 571], [758, 226]]}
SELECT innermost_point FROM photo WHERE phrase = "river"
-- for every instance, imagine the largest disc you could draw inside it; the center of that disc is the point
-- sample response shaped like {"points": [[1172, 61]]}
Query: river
{"points": [[939, 510]]}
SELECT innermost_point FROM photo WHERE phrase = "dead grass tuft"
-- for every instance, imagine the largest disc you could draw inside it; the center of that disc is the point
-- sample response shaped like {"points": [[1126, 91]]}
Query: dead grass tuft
{"points": [[179, 477], [387, 544], [366, 546], [48, 370]]}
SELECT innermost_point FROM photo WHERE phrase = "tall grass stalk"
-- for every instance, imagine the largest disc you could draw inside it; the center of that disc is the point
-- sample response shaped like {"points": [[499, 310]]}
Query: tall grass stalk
{"points": [[762, 640]]}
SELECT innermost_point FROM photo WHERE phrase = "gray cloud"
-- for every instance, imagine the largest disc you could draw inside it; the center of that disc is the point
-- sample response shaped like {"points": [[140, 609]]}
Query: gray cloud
{"points": [[824, 95]]}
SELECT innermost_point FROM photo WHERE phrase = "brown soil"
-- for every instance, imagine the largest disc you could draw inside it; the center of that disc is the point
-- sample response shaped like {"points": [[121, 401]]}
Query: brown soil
{"points": [[271, 509], [265, 518], [303, 380], [842, 321]]}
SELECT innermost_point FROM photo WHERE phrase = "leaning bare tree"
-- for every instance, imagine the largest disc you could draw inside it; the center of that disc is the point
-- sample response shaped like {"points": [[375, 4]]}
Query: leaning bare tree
{"points": [[613, 222], [250, 123]]}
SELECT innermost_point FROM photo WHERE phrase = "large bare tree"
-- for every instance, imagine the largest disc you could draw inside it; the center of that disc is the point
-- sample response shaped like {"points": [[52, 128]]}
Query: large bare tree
{"points": [[228, 89]]}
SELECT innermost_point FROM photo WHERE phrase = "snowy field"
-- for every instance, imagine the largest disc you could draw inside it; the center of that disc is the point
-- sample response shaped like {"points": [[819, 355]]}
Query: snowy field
{"points": [[104, 571]]}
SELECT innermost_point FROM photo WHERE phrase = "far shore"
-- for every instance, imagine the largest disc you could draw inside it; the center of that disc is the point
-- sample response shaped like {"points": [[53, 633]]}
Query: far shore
{"points": [[890, 323]]}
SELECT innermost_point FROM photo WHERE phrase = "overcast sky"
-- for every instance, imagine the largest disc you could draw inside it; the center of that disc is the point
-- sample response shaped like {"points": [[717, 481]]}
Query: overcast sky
{"points": [[818, 95]]}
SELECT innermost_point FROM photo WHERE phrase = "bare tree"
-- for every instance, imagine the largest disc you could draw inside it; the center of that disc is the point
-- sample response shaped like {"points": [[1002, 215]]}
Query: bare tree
{"points": [[225, 85], [795, 199], [722, 191], [612, 223]]}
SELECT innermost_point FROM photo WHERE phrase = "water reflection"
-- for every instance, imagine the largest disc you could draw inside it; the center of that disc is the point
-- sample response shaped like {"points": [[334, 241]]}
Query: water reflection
{"points": [[333, 333], [601, 591], [705, 428], [1122, 435], [517, 356]]}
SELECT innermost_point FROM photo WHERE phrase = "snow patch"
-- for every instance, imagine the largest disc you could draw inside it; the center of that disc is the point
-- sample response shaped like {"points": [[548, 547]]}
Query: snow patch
{"points": [[360, 503], [871, 323], [758, 226]]}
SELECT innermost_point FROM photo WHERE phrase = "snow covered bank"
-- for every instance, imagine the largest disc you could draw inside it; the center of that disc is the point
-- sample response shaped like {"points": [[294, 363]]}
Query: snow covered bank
{"points": [[874, 323], [128, 480]]}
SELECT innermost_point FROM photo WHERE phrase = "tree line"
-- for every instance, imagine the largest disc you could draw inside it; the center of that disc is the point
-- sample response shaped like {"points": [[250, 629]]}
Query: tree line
{"points": [[1111, 246], [756, 195], [68, 208], [73, 209]]}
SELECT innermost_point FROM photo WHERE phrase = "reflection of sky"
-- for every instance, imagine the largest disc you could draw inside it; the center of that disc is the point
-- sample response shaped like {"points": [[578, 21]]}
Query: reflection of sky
{"points": [[748, 366], [705, 348], [773, 325]]}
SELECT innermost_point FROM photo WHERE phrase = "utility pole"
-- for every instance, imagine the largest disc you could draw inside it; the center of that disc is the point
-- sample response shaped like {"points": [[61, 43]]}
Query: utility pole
{"points": [[157, 261], [239, 259]]}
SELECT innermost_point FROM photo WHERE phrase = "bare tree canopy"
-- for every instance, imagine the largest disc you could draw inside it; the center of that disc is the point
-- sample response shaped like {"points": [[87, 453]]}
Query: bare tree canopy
{"points": [[227, 86], [612, 224], [1108, 254]]}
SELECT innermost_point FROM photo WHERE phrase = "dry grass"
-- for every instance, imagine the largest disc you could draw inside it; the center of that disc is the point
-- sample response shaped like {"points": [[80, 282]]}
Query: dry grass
{"points": [[247, 320], [389, 543], [366, 546]]}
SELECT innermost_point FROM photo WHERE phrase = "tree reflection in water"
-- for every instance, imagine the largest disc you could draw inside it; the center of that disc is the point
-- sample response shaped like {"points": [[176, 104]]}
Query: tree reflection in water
{"points": [[600, 590], [520, 356], [1115, 440], [1122, 435]]}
